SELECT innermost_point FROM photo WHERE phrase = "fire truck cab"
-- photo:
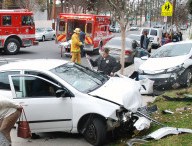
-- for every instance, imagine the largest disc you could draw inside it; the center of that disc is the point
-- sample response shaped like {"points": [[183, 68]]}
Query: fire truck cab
{"points": [[96, 28], [17, 29]]}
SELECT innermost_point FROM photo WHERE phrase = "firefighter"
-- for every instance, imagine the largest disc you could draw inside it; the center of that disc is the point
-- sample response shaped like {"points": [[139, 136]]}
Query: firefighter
{"points": [[75, 46]]}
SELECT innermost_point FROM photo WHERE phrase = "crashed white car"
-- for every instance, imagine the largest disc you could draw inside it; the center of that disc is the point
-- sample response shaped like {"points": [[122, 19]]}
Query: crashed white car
{"points": [[62, 96], [170, 65]]}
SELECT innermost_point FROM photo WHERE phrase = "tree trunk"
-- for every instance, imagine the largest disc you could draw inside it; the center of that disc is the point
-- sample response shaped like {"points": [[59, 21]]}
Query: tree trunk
{"points": [[122, 57]]}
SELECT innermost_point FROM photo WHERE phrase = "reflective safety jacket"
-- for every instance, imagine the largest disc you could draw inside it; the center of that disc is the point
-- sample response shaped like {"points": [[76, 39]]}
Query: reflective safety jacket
{"points": [[75, 43]]}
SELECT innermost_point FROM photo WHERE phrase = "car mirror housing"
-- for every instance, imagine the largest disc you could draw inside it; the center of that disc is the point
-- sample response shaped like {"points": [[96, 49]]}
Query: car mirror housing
{"points": [[60, 93]]}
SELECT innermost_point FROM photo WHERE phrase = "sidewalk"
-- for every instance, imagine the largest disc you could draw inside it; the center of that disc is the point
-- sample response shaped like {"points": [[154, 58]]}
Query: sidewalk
{"points": [[146, 99]]}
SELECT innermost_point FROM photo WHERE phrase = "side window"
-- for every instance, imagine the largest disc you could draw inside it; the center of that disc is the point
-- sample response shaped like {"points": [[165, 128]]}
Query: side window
{"points": [[61, 26], [4, 80], [89, 27], [35, 87], [6, 20], [153, 32], [42, 75], [27, 20]]}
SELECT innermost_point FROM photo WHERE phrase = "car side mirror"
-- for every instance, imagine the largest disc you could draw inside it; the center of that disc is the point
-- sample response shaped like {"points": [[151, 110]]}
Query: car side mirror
{"points": [[60, 93], [144, 57]]}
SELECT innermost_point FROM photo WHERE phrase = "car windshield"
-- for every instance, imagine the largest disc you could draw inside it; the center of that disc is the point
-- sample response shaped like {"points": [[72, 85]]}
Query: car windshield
{"points": [[172, 50], [39, 29], [116, 42], [81, 78]]}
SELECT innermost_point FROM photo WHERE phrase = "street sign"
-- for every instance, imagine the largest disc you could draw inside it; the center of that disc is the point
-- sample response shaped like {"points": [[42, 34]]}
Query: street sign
{"points": [[167, 9]]}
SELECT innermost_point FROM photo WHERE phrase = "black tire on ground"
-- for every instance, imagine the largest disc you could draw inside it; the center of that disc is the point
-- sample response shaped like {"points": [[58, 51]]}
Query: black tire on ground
{"points": [[12, 46], [95, 132], [43, 38], [96, 51], [186, 77], [53, 38]]}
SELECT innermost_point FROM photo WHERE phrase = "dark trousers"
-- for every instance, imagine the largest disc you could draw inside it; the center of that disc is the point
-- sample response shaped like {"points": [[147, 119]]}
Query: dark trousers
{"points": [[82, 51]]}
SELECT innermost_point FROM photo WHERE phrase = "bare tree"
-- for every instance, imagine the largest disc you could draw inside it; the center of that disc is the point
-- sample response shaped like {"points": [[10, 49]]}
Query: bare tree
{"points": [[121, 11]]}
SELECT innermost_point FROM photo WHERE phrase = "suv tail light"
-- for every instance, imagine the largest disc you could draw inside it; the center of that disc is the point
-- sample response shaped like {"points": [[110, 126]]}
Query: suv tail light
{"points": [[128, 52], [158, 39]]}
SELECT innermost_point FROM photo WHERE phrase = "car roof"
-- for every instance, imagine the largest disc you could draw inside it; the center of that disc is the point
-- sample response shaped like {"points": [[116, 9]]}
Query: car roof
{"points": [[35, 64], [152, 28], [119, 38], [180, 42]]}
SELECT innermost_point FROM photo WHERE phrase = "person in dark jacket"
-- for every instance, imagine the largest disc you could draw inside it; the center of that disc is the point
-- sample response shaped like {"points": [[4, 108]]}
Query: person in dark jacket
{"points": [[82, 39], [106, 63], [144, 41]]}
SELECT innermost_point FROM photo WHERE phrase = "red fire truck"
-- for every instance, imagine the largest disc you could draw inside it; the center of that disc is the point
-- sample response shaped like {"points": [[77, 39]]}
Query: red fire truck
{"points": [[96, 28], [17, 29]]}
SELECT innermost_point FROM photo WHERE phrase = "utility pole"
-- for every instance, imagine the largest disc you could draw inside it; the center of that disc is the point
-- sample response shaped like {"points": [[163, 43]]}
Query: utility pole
{"points": [[173, 16], [54, 15]]}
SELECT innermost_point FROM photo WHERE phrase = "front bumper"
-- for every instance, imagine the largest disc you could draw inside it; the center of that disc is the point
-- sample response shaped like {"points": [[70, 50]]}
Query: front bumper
{"points": [[128, 119], [165, 80]]}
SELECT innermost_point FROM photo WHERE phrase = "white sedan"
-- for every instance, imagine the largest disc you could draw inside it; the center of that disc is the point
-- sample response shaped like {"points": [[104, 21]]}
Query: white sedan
{"points": [[62, 96], [170, 65], [42, 34]]}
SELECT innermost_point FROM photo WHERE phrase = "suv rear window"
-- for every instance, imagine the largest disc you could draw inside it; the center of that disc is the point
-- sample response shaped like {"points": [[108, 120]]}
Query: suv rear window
{"points": [[153, 32]]}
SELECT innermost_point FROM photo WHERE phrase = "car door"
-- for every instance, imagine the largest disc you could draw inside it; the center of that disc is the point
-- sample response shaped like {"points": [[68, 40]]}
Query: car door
{"points": [[50, 33], [45, 112]]}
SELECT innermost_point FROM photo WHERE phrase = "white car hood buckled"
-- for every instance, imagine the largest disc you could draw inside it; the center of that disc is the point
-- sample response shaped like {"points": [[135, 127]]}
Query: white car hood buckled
{"points": [[124, 91], [162, 63]]}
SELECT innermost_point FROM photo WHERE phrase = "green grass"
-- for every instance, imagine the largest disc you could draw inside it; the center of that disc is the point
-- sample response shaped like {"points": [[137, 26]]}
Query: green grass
{"points": [[180, 119]]}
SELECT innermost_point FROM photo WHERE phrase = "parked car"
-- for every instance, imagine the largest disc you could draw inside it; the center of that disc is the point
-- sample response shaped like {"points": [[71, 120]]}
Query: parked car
{"points": [[169, 65], [138, 39], [58, 95], [113, 28], [154, 34], [134, 28], [183, 27], [42, 34], [114, 46]]}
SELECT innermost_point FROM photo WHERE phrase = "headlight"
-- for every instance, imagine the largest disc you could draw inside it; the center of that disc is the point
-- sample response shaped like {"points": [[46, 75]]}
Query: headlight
{"points": [[173, 69], [154, 71], [159, 71]]}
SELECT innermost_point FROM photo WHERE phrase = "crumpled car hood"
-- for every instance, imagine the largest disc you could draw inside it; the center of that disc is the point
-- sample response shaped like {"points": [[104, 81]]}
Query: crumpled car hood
{"points": [[162, 63], [124, 91]]}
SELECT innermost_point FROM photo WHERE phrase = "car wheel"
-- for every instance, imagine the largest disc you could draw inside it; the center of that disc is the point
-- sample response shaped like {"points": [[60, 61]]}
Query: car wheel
{"points": [[95, 132], [43, 38], [12, 46], [53, 38], [186, 78]]}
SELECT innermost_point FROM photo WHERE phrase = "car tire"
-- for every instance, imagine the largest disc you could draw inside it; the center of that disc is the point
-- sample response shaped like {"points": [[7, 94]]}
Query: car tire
{"points": [[12, 46], [186, 78], [43, 38], [53, 38], [95, 132]]}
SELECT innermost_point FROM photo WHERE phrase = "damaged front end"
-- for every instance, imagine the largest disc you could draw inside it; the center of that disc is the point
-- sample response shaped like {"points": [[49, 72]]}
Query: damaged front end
{"points": [[173, 77], [129, 121]]}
